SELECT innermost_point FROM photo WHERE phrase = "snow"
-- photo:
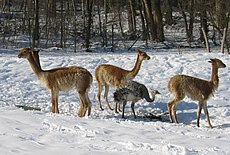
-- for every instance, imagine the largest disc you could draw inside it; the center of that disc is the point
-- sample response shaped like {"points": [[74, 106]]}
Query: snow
{"points": [[105, 132]]}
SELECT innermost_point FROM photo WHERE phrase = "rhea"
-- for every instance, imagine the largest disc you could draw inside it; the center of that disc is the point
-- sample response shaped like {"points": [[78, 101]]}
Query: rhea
{"points": [[109, 75], [133, 91], [197, 89], [61, 79]]}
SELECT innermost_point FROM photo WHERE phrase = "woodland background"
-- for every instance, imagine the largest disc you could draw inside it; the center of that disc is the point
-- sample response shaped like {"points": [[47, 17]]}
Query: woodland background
{"points": [[113, 24]]}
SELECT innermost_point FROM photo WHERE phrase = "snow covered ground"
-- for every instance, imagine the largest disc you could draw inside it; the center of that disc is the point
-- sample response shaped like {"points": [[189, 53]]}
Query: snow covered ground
{"points": [[104, 132]]}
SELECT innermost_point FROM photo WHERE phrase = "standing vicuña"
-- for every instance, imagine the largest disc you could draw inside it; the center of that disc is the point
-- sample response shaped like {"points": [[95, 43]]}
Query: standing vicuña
{"points": [[62, 79], [109, 75], [134, 92], [197, 89]]}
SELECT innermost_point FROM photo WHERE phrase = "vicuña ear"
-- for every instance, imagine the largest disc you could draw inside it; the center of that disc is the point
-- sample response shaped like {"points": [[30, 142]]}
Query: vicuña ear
{"points": [[29, 49], [36, 49], [211, 60]]}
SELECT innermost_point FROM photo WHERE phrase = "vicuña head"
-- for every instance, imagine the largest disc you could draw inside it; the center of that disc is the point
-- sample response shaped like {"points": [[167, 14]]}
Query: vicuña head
{"points": [[109, 75], [61, 79], [195, 88]]}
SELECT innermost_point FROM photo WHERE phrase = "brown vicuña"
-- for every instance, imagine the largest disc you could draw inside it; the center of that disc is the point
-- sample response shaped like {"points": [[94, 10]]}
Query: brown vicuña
{"points": [[197, 89], [109, 75], [61, 79]]}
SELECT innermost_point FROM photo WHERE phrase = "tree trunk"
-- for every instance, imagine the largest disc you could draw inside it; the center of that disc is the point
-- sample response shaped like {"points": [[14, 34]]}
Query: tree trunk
{"points": [[105, 23], [204, 24], [144, 36], [205, 39], [168, 13], [158, 20], [35, 38], [223, 40], [191, 21], [89, 10], [75, 24], [188, 27], [131, 17], [62, 23], [149, 20], [221, 8]]}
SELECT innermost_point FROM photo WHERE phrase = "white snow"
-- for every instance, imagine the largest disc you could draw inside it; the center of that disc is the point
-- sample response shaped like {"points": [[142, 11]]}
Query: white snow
{"points": [[104, 132]]}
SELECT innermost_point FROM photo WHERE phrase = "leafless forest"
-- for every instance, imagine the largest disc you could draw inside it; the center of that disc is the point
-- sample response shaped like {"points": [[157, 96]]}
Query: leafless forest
{"points": [[114, 23]]}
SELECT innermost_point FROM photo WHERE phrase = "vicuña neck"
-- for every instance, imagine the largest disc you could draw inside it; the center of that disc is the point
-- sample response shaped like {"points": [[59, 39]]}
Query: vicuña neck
{"points": [[36, 58], [37, 70], [215, 78], [136, 68]]}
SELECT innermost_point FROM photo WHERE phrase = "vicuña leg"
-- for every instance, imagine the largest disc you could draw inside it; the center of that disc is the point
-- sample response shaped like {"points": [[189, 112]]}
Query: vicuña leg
{"points": [[170, 111], [106, 96], [207, 114], [54, 96], [198, 113], [89, 104], [100, 88], [172, 105], [83, 104]]}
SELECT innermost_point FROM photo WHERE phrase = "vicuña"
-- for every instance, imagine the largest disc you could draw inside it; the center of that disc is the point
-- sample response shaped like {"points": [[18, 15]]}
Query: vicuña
{"points": [[61, 79], [195, 88], [109, 75]]}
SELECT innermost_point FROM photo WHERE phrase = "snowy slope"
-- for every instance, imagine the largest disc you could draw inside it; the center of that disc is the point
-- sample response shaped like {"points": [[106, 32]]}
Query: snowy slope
{"points": [[104, 132]]}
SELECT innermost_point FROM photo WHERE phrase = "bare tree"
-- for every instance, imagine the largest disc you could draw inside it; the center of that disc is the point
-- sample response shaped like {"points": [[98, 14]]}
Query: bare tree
{"points": [[132, 17], [168, 12], [149, 20], [89, 10], [36, 35], [188, 6], [158, 21]]}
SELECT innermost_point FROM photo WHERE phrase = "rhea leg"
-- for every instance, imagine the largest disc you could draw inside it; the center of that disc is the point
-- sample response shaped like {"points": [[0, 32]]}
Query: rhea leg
{"points": [[116, 107], [119, 108], [132, 107], [123, 109]]}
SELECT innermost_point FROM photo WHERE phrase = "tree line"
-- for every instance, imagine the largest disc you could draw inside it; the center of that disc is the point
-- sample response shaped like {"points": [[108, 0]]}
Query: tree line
{"points": [[64, 23]]}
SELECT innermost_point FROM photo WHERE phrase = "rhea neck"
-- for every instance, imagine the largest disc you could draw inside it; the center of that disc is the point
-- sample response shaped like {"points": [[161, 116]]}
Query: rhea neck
{"points": [[148, 98], [136, 68], [215, 78], [37, 70]]}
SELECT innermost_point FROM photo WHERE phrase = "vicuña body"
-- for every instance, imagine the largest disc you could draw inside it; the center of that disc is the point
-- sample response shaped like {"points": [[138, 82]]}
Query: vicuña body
{"points": [[61, 79], [195, 88], [109, 75], [123, 95]]}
